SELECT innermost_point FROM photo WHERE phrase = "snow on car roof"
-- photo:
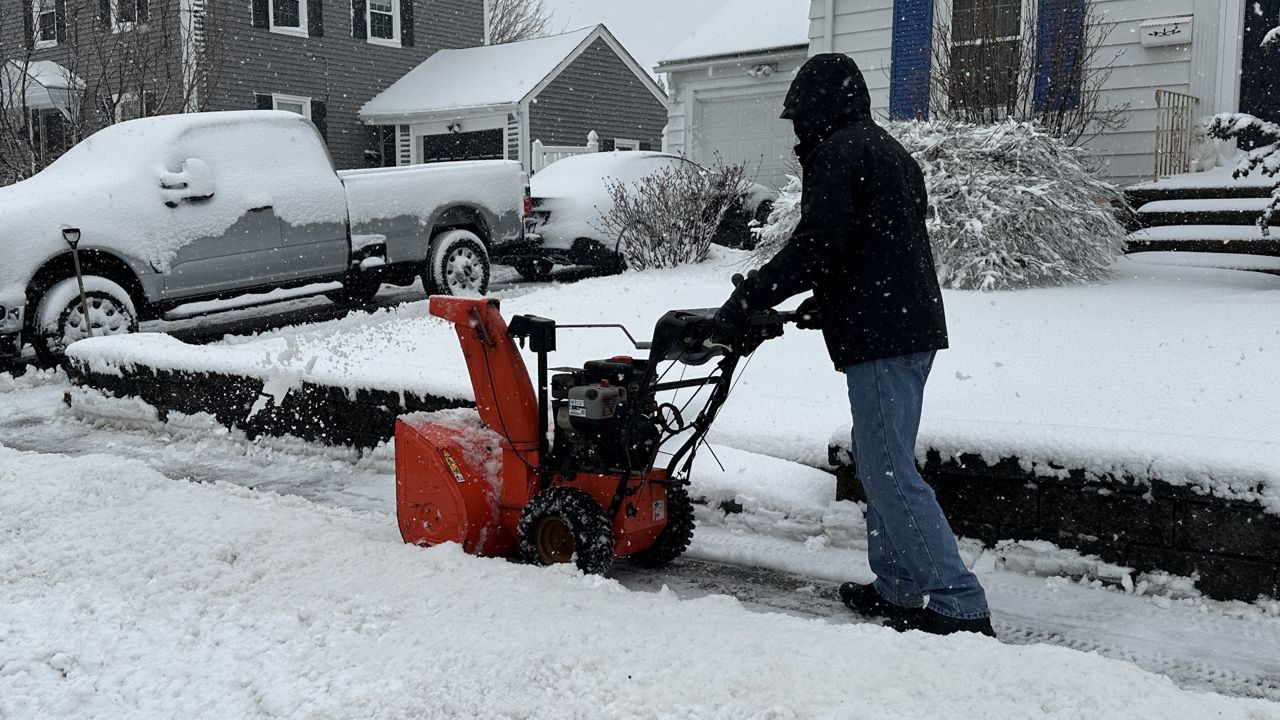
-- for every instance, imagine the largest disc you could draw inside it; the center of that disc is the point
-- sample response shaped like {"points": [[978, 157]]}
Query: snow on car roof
{"points": [[743, 26], [476, 77], [582, 173]]}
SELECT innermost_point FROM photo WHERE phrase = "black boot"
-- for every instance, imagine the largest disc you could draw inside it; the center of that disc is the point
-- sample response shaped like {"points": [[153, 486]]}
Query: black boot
{"points": [[936, 624], [867, 602]]}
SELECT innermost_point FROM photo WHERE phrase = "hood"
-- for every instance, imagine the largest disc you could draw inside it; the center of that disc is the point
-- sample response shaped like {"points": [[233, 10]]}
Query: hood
{"points": [[828, 93]]}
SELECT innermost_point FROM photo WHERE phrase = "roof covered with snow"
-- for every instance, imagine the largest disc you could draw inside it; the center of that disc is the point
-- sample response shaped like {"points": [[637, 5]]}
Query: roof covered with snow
{"points": [[746, 26], [477, 77]]}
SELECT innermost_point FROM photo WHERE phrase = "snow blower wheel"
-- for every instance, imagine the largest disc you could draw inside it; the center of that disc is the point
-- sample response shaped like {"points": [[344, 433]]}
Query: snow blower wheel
{"points": [[676, 534], [564, 524]]}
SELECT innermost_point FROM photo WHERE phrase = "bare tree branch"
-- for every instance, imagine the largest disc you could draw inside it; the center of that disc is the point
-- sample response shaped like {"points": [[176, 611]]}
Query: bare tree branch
{"points": [[514, 20]]}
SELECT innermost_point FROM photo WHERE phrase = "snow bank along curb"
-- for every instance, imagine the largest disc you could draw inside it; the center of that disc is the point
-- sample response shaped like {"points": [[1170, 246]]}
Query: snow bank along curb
{"points": [[279, 406], [1140, 520], [1229, 546], [123, 585]]}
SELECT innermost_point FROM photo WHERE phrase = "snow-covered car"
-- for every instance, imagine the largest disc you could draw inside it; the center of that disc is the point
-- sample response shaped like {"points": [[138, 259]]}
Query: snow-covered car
{"points": [[176, 209], [571, 198]]}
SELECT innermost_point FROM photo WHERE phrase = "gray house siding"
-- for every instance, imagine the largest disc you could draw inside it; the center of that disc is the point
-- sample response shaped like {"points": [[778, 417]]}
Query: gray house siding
{"points": [[597, 92], [337, 69]]}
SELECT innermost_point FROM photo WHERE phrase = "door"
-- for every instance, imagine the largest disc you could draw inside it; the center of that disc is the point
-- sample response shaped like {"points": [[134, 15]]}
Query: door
{"points": [[1260, 67], [245, 256], [749, 131]]}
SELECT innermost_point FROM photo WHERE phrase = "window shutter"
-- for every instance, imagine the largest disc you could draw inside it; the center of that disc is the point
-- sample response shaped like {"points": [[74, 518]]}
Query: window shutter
{"points": [[104, 12], [359, 29], [406, 23], [60, 20], [1059, 54], [28, 25], [263, 101], [911, 59], [143, 10], [315, 18], [320, 116], [261, 14]]}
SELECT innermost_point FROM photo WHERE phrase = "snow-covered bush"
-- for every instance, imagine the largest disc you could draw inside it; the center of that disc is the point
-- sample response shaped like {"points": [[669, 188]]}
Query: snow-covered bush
{"points": [[669, 218], [1009, 206], [1264, 158]]}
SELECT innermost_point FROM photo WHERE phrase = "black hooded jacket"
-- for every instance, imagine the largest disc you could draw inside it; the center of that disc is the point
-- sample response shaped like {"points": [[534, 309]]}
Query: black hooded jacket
{"points": [[861, 245]]}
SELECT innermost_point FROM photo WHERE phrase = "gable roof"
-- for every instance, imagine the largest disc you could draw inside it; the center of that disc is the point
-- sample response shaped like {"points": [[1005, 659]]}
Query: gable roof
{"points": [[746, 26], [490, 76]]}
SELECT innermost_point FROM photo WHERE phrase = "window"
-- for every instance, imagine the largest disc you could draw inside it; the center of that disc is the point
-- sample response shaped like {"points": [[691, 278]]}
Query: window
{"points": [[621, 144], [127, 13], [126, 106], [384, 21], [292, 103], [986, 38], [49, 135], [44, 13], [289, 17]]}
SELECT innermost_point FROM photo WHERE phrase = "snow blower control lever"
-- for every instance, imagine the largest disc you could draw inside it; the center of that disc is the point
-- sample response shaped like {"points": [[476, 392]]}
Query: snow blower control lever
{"points": [[571, 470]]}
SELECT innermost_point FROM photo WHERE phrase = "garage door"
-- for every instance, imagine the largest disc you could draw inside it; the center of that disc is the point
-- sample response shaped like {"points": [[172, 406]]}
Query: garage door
{"points": [[746, 130]]}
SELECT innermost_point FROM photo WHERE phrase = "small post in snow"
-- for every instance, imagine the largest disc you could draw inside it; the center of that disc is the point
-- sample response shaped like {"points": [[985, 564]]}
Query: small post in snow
{"points": [[72, 236]]}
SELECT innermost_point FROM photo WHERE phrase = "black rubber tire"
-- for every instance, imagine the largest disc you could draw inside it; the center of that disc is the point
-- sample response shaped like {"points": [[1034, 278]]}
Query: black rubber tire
{"points": [[675, 536], [592, 533], [357, 292], [51, 352], [534, 270], [459, 243]]}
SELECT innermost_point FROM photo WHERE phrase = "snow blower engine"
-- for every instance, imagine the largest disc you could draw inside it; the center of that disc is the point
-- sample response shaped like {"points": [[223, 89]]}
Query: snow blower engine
{"points": [[590, 466]]}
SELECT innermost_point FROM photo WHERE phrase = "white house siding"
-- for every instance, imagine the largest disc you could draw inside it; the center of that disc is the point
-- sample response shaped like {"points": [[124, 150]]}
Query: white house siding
{"points": [[1204, 68], [864, 32], [712, 90]]}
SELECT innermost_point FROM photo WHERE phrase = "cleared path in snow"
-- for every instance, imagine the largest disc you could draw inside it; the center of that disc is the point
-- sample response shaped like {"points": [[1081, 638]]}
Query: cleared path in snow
{"points": [[1227, 648]]}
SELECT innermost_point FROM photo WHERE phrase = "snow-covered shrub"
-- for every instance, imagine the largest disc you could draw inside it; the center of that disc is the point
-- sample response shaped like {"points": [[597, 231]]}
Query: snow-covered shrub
{"points": [[669, 218], [783, 219], [1264, 159], [1009, 207]]}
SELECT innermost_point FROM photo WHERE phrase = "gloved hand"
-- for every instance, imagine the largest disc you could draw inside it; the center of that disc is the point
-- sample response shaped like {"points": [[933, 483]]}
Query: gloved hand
{"points": [[733, 317], [809, 315]]}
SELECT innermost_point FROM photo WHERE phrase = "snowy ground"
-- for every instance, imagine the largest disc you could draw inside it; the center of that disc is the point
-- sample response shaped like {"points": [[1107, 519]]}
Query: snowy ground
{"points": [[278, 586], [275, 584]]}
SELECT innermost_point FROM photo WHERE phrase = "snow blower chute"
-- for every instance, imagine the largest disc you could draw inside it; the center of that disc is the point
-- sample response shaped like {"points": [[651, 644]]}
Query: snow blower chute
{"points": [[588, 488]]}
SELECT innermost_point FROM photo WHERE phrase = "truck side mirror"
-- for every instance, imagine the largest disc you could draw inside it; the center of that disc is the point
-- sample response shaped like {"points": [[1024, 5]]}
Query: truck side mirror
{"points": [[194, 182]]}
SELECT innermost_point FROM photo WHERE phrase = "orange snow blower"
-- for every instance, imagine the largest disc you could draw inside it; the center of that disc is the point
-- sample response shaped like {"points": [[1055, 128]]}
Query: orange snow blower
{"points": [[588, 490]]}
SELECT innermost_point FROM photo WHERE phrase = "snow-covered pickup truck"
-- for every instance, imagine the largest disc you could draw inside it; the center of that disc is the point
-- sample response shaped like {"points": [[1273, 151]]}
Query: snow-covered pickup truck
{"points": [[182, 208]]}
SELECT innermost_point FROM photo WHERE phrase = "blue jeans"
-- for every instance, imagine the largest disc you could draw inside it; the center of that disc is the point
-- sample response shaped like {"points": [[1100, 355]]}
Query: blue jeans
{"points": [[910, 546]]}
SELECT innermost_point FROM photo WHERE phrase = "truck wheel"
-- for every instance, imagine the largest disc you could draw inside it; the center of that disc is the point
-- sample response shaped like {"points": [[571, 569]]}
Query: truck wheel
{"points": [[60, 321], [565, 524], [534, 270], [676, 534], [458, 265], [357, 291]]}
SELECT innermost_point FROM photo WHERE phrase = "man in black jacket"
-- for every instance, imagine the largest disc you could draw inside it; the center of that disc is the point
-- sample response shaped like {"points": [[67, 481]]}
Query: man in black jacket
{"points": [[863, 250]]}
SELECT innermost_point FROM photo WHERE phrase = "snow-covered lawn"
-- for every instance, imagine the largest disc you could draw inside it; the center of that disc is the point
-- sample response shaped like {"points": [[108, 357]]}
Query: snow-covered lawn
{"points": [[130, 594], [1164, 371]]}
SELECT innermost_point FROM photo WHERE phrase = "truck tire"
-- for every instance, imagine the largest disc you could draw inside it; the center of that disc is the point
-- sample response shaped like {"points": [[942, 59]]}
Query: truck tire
{"points": [[59, 319], [458, 265], [565, 524]]}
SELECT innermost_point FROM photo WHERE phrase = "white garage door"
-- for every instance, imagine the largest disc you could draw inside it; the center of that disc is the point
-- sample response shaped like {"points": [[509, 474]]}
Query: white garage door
{"points": [[747, 130]]}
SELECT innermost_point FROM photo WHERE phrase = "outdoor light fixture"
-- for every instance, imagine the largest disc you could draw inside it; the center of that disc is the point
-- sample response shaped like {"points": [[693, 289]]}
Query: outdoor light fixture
{"points": [[455, 128], [763, 70]]}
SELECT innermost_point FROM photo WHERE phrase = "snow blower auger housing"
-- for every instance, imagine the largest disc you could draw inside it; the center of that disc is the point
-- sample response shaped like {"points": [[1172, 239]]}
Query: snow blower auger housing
{"points": [[586, 489]]}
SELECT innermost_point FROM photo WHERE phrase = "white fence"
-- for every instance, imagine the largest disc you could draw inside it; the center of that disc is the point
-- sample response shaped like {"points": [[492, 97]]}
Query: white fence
{"points": [[1175, 113], [544, 155]]}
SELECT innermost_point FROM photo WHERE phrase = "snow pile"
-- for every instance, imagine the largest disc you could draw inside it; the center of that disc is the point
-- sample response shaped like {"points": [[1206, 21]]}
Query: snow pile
{"points": [[1009, 207], [131, 595]]}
